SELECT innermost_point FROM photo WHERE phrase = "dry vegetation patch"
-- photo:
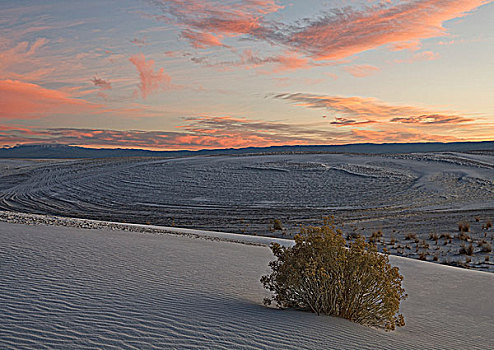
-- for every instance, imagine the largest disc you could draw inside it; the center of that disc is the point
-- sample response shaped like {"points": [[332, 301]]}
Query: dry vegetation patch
{"points": [[321, 274]]}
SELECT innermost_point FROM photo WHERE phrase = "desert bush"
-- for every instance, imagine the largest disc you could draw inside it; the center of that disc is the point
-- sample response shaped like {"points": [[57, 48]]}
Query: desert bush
{"points": [[463, 227], [486, 247], [462, 236], [445, 236], [433, 237], [468, 250], [424, 244], [320, 274], [277, 225], [410, 236], [488, 224]]}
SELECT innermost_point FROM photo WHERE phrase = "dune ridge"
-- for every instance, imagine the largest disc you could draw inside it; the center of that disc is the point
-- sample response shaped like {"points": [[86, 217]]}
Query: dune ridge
{"points": [[65, 287]]}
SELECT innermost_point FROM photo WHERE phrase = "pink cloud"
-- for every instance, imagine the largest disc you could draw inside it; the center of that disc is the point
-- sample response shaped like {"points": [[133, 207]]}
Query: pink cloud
{"points": [[348, 32], [233, 18], [381, 136], [150, 80], [201, 40], [19, 62], [361, 70], [21, 100], [251, 60], [365, 109], [285, 62], [333, 35], [411, 45], [27, 101], [420, 56], [195, 133]]}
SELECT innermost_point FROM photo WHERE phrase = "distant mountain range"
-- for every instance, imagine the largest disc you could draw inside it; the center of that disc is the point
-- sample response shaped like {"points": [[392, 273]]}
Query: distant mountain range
{"points": [[56, 151]]}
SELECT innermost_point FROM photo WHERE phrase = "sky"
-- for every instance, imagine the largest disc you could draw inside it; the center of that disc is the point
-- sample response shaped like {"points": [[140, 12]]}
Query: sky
{"points": [[178, 74]]}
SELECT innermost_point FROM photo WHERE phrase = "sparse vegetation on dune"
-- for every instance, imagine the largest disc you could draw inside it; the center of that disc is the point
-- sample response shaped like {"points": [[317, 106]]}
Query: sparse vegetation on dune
{"points": [[321, 274]]}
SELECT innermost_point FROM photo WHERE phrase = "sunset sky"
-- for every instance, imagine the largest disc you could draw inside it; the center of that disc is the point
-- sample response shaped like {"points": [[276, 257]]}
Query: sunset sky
{"points": [[177, 74]]}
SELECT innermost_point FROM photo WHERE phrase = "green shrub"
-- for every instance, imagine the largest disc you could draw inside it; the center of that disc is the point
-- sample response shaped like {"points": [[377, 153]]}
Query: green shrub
{"points": [[320, 274]]}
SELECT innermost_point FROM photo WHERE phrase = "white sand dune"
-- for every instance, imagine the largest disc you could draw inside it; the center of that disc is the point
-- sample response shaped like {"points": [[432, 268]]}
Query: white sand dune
{"points": [[63, 287]]}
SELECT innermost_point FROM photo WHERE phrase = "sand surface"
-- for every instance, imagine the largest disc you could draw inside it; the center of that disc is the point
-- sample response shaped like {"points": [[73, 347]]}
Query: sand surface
{"points": [[425, 194], [64, 287]]}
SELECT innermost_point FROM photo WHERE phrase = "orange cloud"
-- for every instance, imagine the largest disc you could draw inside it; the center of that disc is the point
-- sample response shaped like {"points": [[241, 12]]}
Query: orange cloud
{"points": [[205, 20], [347, 32], [150, 81], [384, 136], [21, 100], [370, 108], [334, 35], [27, 101], [363, 107], [250, 60], [19, 62], [361, 70], [196, 133], [201, 40], [286, 62]]}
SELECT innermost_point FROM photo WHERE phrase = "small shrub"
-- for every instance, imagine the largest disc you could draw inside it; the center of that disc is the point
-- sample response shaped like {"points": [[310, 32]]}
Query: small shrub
{"points": [[320, 274], [277, 225], [462, 236], [446, 236], [377, 234], [411, 236], [481, 242], [467, 250], [424, 244], [486, 247], [488, 224], [464, 227], [433, 237]]}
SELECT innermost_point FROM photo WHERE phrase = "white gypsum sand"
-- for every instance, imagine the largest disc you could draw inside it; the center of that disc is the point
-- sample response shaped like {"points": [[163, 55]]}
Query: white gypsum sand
{"points": [[400, 194], [65, 287]]}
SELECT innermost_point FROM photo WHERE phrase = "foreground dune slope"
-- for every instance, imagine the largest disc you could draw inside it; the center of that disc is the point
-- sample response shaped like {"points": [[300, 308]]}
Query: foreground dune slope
{"points": [[63, 287]]}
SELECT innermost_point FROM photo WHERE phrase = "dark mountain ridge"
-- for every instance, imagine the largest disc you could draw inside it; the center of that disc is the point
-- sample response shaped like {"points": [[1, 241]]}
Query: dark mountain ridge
{"points": [[58, 151]]}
